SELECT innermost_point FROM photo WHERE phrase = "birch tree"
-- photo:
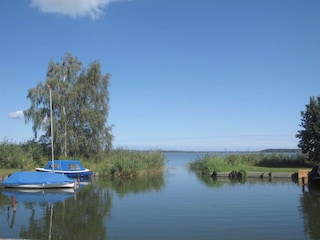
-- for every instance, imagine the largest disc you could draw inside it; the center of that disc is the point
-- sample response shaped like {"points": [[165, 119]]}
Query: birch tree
{"points": [[80, 106]]}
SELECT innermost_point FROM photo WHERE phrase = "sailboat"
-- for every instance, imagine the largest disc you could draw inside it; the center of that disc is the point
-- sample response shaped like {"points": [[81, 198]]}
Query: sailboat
{"points": [[39, 180], [70, 168]]}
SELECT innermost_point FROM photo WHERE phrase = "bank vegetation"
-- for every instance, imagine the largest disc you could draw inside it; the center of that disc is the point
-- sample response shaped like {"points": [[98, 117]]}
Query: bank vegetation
{"points": [[251, 162], [113, 163]]}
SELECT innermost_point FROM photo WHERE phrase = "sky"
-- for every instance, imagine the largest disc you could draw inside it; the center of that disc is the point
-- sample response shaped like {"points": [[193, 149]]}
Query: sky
{"points": [[209, 75]]}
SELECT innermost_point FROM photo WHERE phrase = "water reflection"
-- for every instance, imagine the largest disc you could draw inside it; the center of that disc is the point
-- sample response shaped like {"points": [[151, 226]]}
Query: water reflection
{"points": [[178, 204], [220, 181], [79, 216], [61, 214], [134, 185], [310, 207], [39, 195], [310, 199]]}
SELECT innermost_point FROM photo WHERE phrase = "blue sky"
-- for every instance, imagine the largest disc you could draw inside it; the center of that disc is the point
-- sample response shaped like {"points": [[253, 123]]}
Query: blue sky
{"points": [[186, 75]]}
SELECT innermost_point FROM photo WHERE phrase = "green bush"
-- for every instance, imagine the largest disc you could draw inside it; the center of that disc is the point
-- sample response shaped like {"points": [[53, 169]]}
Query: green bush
{"points": [[11, 155]]}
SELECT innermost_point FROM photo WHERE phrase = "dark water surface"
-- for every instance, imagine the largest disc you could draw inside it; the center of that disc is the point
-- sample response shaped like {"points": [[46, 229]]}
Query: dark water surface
{"points": [[176, 205]]}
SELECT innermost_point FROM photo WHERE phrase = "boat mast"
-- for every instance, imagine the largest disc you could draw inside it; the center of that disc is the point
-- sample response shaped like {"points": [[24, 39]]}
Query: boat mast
{"points": [[52, 154]]}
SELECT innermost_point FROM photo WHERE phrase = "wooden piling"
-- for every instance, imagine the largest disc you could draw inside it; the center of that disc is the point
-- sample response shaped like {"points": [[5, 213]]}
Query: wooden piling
{"points": [[301, 174], [13, 203], [12, 220]]}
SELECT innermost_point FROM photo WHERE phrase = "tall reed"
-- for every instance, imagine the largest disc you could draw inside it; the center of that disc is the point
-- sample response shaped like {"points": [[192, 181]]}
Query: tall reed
{"points": [[125, 163], [238, 162]]}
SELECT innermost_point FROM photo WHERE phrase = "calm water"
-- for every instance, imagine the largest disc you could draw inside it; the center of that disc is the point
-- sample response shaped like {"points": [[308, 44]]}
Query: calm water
{"points": [[177, 205]]}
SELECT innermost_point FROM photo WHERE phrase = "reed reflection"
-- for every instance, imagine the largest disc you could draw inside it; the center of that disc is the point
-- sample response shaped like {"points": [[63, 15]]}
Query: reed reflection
{"points": [[134, 185]]}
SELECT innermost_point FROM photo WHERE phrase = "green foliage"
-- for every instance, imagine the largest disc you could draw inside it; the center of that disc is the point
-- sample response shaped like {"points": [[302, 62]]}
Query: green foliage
{"points": [[243, 162], [80, 108], [118, 162], [10, 155], [35, 152], [14, 156], [127, 163], [283, 161], [210, 164], [310, 134], [243, 173]]}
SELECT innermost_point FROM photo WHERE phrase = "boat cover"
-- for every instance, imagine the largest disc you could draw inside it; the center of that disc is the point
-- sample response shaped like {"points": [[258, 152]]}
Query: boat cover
{"points": [[27, 178], [65, 165]]}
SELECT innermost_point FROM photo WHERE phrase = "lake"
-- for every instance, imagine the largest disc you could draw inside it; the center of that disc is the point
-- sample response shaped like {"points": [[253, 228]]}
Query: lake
{"points": [[178, 204]]}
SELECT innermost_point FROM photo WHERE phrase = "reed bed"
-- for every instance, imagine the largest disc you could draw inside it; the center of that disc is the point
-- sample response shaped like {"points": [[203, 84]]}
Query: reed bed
{"points": [[115, 163], [128, 163], [250, 162]]}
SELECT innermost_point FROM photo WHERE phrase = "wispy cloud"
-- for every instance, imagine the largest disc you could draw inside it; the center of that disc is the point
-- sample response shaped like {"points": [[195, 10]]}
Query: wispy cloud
{"points": [[73, 8], [17, 114]]}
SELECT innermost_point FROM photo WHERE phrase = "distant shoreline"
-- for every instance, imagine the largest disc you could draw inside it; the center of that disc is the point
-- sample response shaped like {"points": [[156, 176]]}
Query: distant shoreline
{"points": [[269, 150]]}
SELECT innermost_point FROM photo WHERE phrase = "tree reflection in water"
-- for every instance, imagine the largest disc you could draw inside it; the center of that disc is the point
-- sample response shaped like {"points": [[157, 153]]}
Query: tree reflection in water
{"points": [[75, 218], [81, 216], [310, 207]]}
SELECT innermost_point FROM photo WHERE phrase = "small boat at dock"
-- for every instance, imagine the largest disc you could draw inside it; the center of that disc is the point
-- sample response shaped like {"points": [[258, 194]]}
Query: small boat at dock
{"points": [[70, 168]]}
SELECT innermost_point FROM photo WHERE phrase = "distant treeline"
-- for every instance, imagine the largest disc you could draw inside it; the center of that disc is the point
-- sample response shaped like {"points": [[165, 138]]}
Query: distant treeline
{"points": [[280, 150], [269, 150]]}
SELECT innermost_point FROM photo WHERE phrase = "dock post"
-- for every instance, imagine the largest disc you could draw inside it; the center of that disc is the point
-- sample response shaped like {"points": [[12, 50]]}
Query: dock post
{"points": [[303, 181], [13, 203]]}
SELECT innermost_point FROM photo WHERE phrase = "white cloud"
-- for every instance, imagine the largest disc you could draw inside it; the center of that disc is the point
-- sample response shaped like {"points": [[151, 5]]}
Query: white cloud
{"points": [[73, 8], [17, 114]]}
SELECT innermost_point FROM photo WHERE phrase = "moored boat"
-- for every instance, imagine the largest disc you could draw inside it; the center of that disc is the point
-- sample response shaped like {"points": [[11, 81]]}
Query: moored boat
{"points": [[71, 168], [38, 180]]}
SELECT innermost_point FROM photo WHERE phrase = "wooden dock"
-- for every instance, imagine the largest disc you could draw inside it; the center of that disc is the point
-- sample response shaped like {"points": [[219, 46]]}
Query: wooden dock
{"points": [[301, 175]]}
